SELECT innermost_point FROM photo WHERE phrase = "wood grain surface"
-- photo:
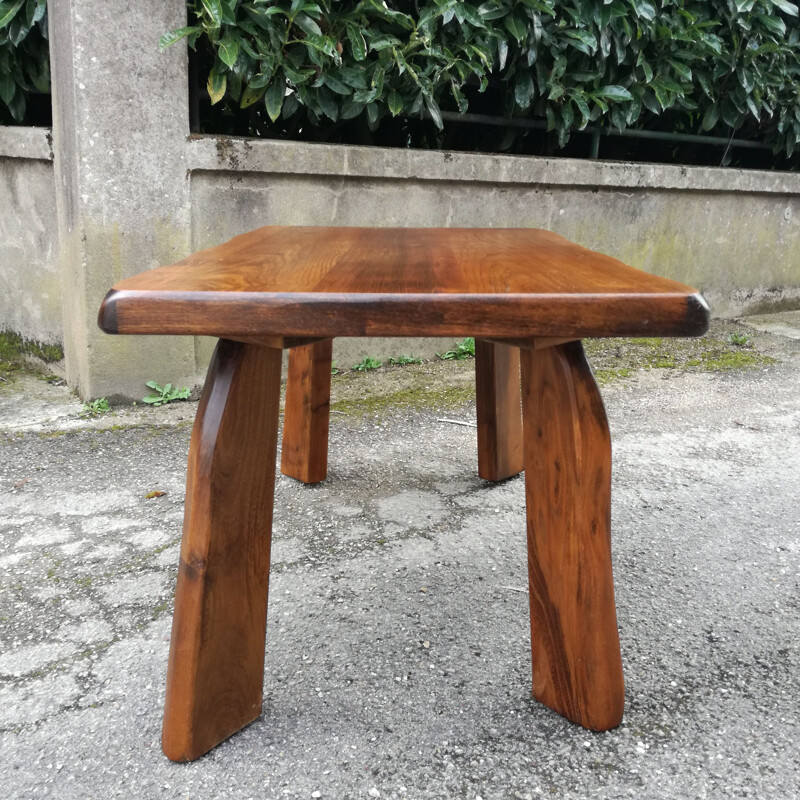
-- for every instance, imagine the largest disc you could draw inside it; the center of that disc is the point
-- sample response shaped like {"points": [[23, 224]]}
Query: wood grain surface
{"points": [[216, 660], [304, 449], [498, 410], [325, 282], [577, 668]]}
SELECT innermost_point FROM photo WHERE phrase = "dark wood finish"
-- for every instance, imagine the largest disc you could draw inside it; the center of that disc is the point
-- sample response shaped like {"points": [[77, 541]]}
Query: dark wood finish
{"points": [[304, 450], [283, 287], [216, 661], [577, 669], [498, 410], [326, 282]]}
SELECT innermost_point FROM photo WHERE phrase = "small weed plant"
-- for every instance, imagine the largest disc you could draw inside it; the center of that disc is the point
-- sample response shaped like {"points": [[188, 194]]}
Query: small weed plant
{"points": [[165, 394], [401, 361], [367, 363], [95, 407], [461, 350], [739, 339]]}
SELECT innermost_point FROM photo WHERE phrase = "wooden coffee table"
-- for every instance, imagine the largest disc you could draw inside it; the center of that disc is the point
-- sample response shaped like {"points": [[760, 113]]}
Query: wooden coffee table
{"points": [[528, 296]]}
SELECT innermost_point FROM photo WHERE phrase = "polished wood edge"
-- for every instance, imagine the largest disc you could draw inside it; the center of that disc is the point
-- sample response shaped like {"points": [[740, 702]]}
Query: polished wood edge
{"points": [[257, 315], [698, 314], [107, 316]]}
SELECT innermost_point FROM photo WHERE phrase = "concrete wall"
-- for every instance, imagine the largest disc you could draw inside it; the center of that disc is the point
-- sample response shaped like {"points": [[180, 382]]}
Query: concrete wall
{"points": [[30, 291], [120, 123]]}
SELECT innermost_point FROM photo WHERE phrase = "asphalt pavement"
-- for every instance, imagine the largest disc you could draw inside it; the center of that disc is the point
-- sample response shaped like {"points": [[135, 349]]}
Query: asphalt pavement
{"points": [[398, 641]]}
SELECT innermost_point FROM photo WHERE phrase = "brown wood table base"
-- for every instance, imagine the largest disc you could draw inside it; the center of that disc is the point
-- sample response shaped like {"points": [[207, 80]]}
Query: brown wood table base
{"points": [[216, 660], [304, 453], [577, 668], [528, 296], [304, 449]]}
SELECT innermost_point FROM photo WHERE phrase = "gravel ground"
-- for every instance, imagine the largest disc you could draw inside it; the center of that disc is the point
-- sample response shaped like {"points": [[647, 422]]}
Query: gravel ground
{"points": [[398, 642]]}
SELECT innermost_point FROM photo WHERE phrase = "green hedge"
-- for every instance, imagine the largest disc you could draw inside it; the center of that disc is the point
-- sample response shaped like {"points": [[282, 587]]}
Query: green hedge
{"points": [[721, 66], [715, 65], [24, 58]]}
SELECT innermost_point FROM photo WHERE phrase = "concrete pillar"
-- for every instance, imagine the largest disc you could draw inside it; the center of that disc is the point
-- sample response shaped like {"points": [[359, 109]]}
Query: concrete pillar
{"points": [[120, 122]]}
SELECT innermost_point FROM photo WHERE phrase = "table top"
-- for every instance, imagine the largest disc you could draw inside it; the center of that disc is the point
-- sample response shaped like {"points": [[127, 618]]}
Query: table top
{"points": [[316, 281]]}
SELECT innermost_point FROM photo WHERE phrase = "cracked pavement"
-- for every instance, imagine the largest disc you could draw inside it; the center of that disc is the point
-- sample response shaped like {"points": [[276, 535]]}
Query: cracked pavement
{"points": [[398, 641]]}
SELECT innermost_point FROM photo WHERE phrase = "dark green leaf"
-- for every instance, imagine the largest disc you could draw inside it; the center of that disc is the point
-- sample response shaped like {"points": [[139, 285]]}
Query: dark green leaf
{"points": [[523, 89], [582, 40], [298, 76], [252, 94], [681, 69], [786, 7], [433, 110], [7, 88], [290, 105], [327, 102], [350, 109], [336, 85], [8, 11], [492, 10], [774, 24], [213, 10], [516, 28], [357, 43], [395, 102], [583, 109], [305, 23], [613, 92], [384, 42], [373, 115], [174, 36], [274, 96], [228, 50], [645, 9]]}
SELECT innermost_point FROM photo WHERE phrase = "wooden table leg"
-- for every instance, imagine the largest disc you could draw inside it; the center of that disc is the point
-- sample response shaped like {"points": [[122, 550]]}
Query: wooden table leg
{"points": [[216, 660], [577, 669], [304, 450], [499, 412]]}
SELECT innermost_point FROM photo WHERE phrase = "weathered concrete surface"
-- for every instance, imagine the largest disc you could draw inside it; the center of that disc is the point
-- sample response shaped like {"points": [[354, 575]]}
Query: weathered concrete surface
{"points": [[30, 290], [398, 660], [120, 120], [785, 324], [34, 144]]}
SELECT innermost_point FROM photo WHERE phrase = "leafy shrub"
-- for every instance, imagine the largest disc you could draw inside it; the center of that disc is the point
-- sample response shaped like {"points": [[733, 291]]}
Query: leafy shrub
{"points": [[367, 363], [24, 57], [165, 394], [712, 65], [461, 350]]}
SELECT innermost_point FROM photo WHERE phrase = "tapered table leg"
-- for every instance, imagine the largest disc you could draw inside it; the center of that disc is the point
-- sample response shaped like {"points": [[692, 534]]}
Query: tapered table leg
{"points": [[216, 660], [499, 412], [304, 450], [577, 669]]}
